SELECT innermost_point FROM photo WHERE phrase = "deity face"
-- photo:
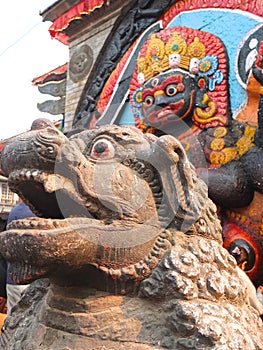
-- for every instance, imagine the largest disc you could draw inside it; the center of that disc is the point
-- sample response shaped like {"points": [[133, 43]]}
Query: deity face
{"points": [[167, 98]]}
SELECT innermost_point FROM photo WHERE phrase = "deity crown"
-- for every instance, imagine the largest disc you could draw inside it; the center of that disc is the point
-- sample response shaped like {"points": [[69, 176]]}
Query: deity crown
{"points": [[161, 56]]}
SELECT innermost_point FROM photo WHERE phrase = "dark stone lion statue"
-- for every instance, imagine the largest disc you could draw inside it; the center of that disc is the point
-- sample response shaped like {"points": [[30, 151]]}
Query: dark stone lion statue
{"points": [[126, 249]]}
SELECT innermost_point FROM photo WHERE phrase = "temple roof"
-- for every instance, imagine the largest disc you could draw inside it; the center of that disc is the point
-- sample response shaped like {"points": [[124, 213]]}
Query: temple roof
{"points": [[62, 13], [56, 74], [57, 9]]}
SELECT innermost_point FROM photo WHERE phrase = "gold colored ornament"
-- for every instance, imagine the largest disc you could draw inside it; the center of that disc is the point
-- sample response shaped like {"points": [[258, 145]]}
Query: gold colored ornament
{"points": [[196, 49], [157, 54], [154, 49], [217, 144], [209, 115], [224, 156], [202, 116], [185, 62], [217, 158], [250, 132], [138, 97], [243, 145], [154, 57], [230, 153], [141, 63], [176, 45], [165, 64], [144, 68], [205, 66], [220, 131]]}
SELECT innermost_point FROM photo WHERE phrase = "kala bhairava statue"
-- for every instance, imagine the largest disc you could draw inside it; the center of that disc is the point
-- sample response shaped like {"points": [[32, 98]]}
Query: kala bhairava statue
{"points": [[180, 88]]}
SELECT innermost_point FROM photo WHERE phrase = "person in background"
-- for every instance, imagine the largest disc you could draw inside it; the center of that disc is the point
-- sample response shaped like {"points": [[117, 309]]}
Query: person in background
{"points": [[14, 291]]}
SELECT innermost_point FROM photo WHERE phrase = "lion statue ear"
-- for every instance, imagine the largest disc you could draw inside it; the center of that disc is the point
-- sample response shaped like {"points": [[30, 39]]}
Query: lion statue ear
{"points": [[184, 194]]}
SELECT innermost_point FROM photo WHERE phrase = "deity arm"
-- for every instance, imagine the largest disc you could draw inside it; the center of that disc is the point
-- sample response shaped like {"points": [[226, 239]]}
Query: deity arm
{"points": [[228, 186], [252, 162]]}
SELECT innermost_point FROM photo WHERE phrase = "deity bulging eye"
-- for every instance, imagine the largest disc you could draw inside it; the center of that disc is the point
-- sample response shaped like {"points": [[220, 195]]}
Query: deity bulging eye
{"points": [[171, 89], [148, 101], [103, 149], [155, 82]]}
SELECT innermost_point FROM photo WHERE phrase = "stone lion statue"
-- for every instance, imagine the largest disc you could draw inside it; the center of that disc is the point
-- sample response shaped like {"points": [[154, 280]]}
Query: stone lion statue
{"points": [[126, 249]]}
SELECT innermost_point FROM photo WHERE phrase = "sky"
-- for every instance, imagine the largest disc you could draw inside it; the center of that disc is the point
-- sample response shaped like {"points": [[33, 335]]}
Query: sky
{"points": [[26, 51]]}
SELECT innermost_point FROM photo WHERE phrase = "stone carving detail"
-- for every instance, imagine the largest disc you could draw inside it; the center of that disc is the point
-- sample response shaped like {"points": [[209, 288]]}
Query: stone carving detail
{"points": [[131, 244], [80, 63], [53, 107], [53, 88]]}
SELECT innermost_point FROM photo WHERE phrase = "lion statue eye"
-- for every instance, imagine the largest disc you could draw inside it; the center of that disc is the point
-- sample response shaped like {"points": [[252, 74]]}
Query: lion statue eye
{"points": [[103, 149]]}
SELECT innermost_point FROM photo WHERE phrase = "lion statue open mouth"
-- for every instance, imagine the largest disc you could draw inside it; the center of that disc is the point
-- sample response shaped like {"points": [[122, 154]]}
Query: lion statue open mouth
{"points": [[130, 242]]}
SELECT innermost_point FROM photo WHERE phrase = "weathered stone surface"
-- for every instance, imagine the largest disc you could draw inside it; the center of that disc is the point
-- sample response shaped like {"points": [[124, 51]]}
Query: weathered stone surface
{"points": [[53, 107], [144, 269], [54, 88]]}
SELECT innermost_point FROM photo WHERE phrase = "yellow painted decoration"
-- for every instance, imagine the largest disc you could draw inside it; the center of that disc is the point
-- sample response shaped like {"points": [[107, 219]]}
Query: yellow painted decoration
{"points": [[230, 154], [217, 158], [176, 44], [217, 144], [196, 49], [157, 54], [243, 145], [221, 155], [220, 131], [250, 132], [224, 156], [204, 116]]}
